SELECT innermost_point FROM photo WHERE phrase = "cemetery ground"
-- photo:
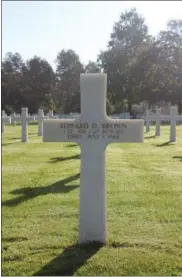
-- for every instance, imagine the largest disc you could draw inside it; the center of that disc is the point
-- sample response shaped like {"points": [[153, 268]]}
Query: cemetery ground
{"points": [[40, 208]]}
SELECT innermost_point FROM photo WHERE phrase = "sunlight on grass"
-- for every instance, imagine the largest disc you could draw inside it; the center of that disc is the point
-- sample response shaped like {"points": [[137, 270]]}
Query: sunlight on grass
{"points": [[40, 206]]}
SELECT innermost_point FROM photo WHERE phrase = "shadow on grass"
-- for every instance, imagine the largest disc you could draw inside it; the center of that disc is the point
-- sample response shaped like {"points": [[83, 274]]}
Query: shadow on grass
{"points": [[14, 138], [32, 192], [178, 157], [141, 245], [127, 245], [16, 142], [33, 134], [70, 260], [61, 159], [168, 143], [72, 145], [14, 239], [150, 137]]}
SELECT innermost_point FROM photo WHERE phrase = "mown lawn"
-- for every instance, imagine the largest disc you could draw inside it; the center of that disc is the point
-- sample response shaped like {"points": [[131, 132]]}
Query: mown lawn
{"points": [[40, 198]]}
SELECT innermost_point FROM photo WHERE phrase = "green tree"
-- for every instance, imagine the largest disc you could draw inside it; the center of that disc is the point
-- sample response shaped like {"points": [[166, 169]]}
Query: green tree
{"points": [[38, 84], [68, 73], [129, 35], [12, 78], [92, 67], [171, 45]]}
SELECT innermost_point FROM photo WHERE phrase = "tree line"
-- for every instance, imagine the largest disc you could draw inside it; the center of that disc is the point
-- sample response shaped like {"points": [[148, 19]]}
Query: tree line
{"points": [[139, 66]]}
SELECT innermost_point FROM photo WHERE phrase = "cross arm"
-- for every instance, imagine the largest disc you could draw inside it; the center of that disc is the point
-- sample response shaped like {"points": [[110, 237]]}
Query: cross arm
{"points": [[60, 130], [123, 130], [38, 117], [6, 119], [169, 117], [165, 117], [17, 118], [179, 117], [150, 117]]}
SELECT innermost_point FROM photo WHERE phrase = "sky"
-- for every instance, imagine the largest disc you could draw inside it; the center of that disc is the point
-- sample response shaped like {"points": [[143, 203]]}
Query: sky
{"points": [[44, 28]]}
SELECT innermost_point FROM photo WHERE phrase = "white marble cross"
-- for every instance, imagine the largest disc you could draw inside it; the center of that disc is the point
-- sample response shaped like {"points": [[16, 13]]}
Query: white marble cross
{"points": [[158, 118], [147, 121], [154, 117], [4, 120], [158, 123], [51, 114], [40, 118], [24, 118], [93, 131], [13, 119], [173, 117]]}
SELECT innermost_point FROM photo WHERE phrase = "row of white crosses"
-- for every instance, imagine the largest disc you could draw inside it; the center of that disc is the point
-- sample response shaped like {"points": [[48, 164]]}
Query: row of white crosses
{"points": [[4, 120], [158, 118], [24, 118], [93, 130], [40, 117], [14, 118]]}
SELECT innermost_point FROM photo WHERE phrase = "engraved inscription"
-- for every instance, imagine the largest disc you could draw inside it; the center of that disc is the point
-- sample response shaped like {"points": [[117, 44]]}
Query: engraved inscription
{"points": [[93, 131]]}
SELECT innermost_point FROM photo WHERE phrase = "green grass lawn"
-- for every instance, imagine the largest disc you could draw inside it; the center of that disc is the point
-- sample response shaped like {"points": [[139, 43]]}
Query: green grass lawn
{"points": [[40, 200]]}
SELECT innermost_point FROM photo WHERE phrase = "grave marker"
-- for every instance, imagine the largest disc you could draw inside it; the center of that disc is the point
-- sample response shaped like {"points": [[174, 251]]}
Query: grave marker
{"points": [[4, 119], [173, 112], [13, 119], [24, 118], [147, 121], [40, 118], [158, 118], [51, 114], [173, 117], [93, 131], [158, 123]]}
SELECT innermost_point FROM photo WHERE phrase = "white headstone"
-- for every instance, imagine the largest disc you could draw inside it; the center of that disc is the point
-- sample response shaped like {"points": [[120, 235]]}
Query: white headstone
{"points": [[158, 122], [147, 121], [93, 131], [173, 113], [40, 118]]}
